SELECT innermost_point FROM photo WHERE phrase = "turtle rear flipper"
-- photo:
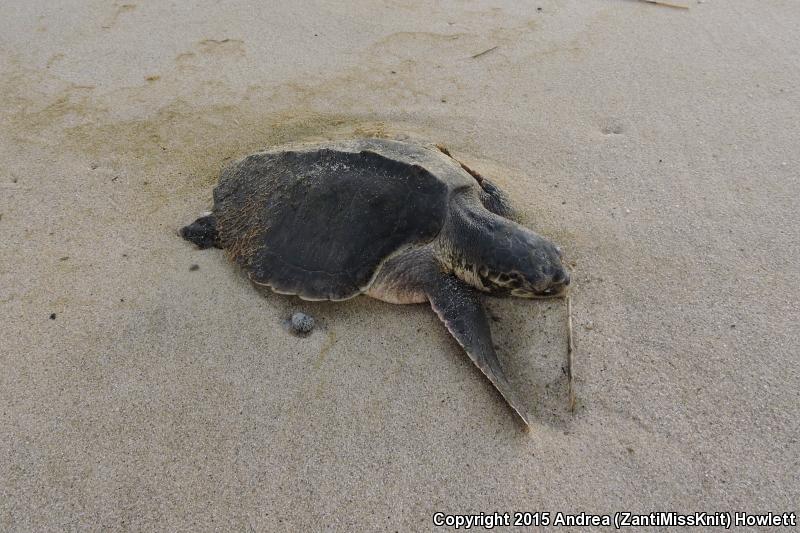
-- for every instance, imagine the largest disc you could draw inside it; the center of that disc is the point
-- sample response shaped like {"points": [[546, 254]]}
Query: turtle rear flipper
{"points": [[202, 232], [461, 310]]}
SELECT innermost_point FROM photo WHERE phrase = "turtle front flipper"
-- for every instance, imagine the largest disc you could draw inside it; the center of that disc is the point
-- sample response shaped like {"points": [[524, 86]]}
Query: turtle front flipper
{"points": [[461, 310]]}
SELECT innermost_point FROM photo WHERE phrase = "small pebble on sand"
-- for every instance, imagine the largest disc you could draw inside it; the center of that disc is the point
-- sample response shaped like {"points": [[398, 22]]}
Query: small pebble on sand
{"points": [[302, 323]]}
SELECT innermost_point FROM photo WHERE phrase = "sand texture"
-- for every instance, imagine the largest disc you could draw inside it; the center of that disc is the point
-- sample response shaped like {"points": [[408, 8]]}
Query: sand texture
{"points": [[659, 147]]}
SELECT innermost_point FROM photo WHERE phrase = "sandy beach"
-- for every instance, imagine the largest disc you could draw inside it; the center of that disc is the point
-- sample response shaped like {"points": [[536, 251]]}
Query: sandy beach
{"points": [[659, 147]]}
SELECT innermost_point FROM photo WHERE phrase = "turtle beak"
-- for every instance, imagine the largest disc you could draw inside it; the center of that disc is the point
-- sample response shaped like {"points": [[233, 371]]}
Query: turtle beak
{"points": [[557, 289]]}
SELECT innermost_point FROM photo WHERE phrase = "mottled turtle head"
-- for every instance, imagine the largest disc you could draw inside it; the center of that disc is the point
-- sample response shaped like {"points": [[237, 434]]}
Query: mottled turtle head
{"points": [[500, 256], [524, 264]]}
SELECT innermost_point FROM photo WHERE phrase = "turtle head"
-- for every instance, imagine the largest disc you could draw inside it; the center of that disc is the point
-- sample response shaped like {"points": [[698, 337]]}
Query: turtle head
{"points": [[525, 265], [499, 256]]}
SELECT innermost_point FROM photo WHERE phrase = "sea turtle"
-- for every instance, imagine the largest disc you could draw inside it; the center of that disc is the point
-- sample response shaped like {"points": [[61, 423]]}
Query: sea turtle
{"points": [[400, 221]]}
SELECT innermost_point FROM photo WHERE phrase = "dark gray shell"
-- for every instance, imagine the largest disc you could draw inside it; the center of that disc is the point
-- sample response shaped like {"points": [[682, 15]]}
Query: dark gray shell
{"points": [[318, 220]]}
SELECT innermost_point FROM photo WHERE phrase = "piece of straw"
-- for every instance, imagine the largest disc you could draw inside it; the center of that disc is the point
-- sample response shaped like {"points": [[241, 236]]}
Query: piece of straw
{"points": [[666, 4], [570, 349], [479, 54]]}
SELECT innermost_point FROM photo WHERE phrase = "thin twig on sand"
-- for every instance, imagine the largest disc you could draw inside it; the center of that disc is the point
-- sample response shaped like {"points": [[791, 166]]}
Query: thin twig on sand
{"points": [[479, 54], [570, 349], [665, 4]]}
